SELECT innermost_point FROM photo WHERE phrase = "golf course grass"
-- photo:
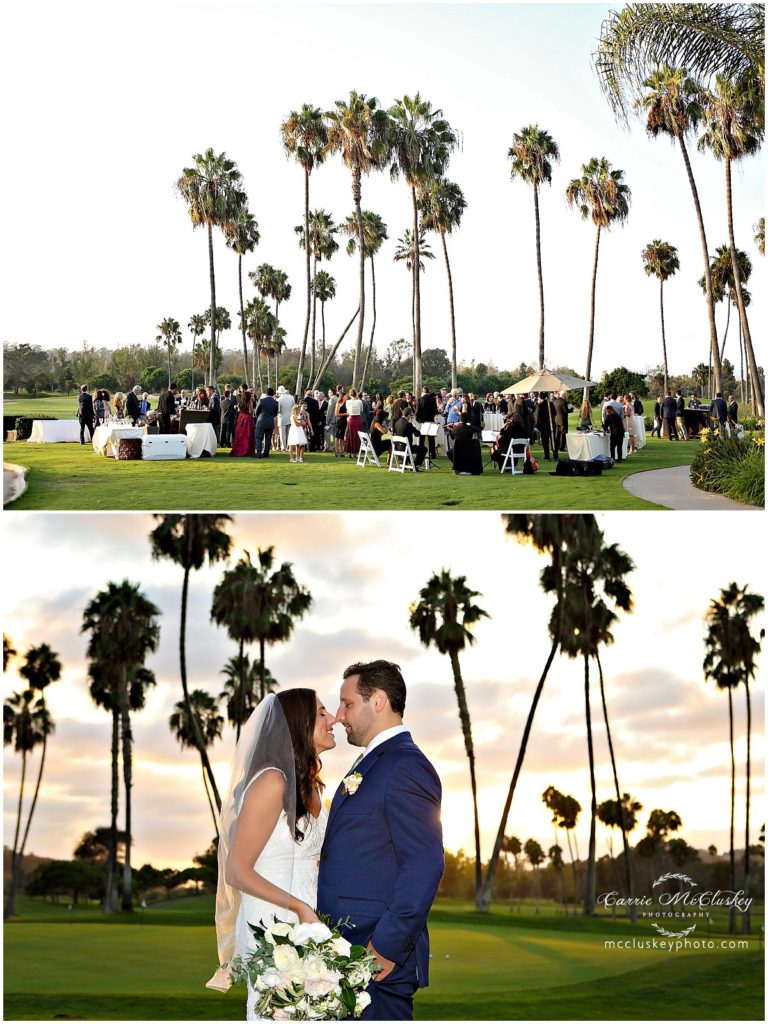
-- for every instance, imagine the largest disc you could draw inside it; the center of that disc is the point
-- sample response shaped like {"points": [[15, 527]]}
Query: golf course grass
{"points": [[502, 966]]}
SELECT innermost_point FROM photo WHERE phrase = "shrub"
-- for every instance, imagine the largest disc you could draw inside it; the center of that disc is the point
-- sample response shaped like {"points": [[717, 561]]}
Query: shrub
{"points": [[103, 380], [731, 467], [154, 379], [233, 379]]}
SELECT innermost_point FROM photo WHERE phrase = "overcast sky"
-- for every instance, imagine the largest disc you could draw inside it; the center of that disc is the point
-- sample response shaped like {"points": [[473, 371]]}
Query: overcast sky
{"points": [[107, 104], [670, 728]]}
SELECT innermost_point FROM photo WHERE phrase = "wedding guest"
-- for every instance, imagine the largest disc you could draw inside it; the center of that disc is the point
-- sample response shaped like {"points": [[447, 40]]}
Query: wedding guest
{"points": [[354, 423], [585, 415], [404, 428], [119, 405], [426, 413], [694, 402], [614, 427], [266, 411], [465, 453], [244, 441], [629, 423], [682, 431], [228, 413], [669, 415], [341, 423], [297, 433], [133, 405], [322, 403], [544, 418], [330, 421], [380, 438], [166, 407], [285, 403], [509, 432], [560, 413], [314, 418], [718, 413], [388, 404], [145, 405], [85, 413], [214, 410], [657, 417], [733, 414], [490, 404]]}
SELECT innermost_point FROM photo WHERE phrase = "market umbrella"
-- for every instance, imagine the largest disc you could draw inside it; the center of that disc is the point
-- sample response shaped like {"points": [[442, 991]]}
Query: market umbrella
{"points": [[547, 380]]}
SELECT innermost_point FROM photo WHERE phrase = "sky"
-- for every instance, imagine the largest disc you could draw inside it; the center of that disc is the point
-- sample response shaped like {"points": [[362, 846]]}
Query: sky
{"points": [[669, 727], [109, 104]]}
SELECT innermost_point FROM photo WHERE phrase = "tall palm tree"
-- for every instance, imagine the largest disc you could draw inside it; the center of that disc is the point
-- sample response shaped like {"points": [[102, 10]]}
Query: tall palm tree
{"points": [[281, 292], [196, 326], [721, 271], [305, 137], [730, 655], [550, 534], [212, 189], [727, 38], [260, 327], [444, 616], [9, 651], [408, 251], [565, 814], [620, 814], [170, 336], [324, 289], [223, 322], [359, 130], [241, 676], [243, 236], [673, 104], [532, 153], [734, 126], [442, 206], [188, 541], [422, 143], [208, 722], [322, 243], [660, 260], [601, 194], [374, 236], [124, 630], [535, 855], [760, 236]]}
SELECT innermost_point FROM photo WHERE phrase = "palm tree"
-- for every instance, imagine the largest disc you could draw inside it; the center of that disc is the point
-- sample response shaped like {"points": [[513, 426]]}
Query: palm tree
{"points": [[188, 540], [444, 616], [565, 814], [196, 326], [9, 651], [621, 814], [549, 534], [223, 323], [734, 125], [281, 292], [322, 243], [374, 236], [241, 676], [359, 130], [27, 724], [721, 271], [535, 855], [242, 237], [406, 253], [305, 136], [213, 191], [324, 289], [722, 38], [442, 206], [600, 193], [123, 627], [532, 153], [422, 142], [660, 260], [260, 327], [208, 722], [730, 655], [673, 103], [170, 336], [760, 235]]}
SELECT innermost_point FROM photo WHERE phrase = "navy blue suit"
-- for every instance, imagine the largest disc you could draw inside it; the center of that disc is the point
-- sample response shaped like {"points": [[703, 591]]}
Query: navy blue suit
{"points": [[381, 865]]}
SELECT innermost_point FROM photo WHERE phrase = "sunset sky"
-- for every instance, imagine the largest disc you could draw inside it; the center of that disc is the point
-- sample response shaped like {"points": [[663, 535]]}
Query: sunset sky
{"points": [[110, 102], [670, 727]]}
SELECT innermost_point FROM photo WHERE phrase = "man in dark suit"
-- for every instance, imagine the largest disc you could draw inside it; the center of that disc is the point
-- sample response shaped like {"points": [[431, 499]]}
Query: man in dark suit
{"points": [[404, 428], [718, 413], [214, 410], [426, 413], [85, 413], [560, 413], [315, 420], [386, 813], [733, 414], [544, 418], [669, 415], [656, 429], [266, 410], [133, 405], [166, 408], [682, 430], [228, 415]]}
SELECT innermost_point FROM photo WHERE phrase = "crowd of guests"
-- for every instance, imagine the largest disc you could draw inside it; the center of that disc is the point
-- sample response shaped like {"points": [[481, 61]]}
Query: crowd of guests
{"points": [[669, 416], [97, 408]]}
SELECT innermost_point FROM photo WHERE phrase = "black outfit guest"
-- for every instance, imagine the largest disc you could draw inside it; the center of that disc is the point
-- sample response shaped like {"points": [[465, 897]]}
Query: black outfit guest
{"points": [[614, 426], [543, 419], [85, 413], [656, 429], [228, 417], [426, 413], [503, 406], [166, 407], [560, 414], [315, 420], [466, 453], [378, 429], [476, 416], [669, 414], [733, 413], [265, 414], [133, 408], [404, 428], [509, 432], [214, 411], [718, 412]]}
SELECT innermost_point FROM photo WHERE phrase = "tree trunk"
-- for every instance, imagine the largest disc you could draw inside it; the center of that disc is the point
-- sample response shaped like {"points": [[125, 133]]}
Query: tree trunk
{"points": [[622, 823], [466, 728], [314, 321], [541, 277], [592, 316], [745, 920], [242, 318], [717, 369], [663, 335], [589, 892], [742, 382], [416, 299], [329, 358], [262, 688], [10, 905], [732, 909], [241, 692], [109, 903], [454, 371], [373, 327], [727, 324], [210, 802], [22, 847], [169, 366], [356, 195], [300, 369], [752, 362], [212, 358], [125, 721]]}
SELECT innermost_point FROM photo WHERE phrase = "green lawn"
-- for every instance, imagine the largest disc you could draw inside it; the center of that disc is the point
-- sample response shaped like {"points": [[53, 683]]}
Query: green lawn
{"points": [[498, 967]]}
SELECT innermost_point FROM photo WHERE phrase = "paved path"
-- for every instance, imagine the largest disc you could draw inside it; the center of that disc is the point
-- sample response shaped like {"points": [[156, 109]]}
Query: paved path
{"points": [[673, 489], [14, 482]]}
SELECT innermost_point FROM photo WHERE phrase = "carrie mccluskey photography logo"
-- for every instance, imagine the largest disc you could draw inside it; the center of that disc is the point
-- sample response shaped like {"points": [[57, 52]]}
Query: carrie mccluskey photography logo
{"points": [[675, 911]]}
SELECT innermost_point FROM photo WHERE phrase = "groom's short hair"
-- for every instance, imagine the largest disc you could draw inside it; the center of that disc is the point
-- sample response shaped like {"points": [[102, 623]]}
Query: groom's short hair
{"points": [[380, 675]]}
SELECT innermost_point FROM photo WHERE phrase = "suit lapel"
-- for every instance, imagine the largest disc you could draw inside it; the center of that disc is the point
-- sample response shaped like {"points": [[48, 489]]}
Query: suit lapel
{"points": [[367, 763]]}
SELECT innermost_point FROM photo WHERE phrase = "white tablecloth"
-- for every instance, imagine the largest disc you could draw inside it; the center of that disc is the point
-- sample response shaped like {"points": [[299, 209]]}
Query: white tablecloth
{"points": [[201, 437], [106, 436], [583, 447], [47, 431], [493, 420]]}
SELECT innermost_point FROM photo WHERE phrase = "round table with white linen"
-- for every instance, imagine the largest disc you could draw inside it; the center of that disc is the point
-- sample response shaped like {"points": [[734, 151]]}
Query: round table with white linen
{"points": [[49, 431], [583, 447], [107, 436], [201, 437], [493, 421]]}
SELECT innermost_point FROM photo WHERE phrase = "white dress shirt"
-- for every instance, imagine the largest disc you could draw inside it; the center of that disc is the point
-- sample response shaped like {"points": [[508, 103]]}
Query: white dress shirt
{"points": [[382, 737]]}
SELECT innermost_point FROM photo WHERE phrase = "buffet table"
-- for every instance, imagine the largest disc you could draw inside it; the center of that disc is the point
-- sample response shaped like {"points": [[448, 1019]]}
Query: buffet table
{"points": [[106, 437], [201, 437], [49, 431], [493, 420], [583, 447]]}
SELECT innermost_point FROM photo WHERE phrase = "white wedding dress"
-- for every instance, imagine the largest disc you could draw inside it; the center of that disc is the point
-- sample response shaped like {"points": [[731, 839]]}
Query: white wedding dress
{"points": [[291, 865]]}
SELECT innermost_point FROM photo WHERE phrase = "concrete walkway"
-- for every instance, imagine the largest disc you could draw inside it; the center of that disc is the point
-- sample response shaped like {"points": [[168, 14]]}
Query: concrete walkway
{"points": [[673, 489], [14, 482]]}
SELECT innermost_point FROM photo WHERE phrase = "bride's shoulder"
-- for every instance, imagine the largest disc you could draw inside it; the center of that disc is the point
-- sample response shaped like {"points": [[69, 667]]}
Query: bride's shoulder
{"points": [[270, 779]]}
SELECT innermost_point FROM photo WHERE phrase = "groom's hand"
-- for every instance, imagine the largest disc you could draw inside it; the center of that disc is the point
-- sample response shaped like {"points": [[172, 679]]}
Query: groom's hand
{"points": [[387, 966]]}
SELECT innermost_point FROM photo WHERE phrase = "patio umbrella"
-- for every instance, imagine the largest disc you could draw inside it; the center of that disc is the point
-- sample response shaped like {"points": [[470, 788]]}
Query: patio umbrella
{"points": [[547, 380]]}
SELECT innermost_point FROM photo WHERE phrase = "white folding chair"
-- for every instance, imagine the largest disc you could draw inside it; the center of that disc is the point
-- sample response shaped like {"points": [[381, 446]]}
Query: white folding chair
{"points": [[367, 452], [401, 457], [513, 458]]}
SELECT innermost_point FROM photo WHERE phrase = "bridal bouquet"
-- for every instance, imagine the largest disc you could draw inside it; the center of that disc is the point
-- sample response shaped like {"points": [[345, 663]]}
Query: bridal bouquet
{"points": [[305, 972]]}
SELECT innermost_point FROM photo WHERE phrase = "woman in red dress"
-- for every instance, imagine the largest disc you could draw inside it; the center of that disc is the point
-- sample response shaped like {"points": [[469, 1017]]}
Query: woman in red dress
{"points": [[244, 443], [354, 423]]}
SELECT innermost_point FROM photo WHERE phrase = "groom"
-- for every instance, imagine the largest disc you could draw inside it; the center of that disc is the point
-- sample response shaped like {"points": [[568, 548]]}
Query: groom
{"points": [[382, 858]]}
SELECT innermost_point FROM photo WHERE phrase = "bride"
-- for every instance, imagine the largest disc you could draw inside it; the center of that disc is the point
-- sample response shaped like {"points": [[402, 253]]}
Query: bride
{"points": [[272, 825]]}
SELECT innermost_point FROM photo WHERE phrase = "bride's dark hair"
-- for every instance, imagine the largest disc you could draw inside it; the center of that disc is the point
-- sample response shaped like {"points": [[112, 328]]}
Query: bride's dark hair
{"points": [[300, 710]]}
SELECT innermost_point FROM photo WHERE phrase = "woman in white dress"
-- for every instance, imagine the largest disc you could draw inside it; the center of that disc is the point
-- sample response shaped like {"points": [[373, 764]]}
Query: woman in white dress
{"points": [[272, 825], [297, 434]]}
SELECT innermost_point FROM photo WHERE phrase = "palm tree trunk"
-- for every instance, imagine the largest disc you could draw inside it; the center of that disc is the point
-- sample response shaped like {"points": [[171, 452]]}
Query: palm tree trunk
{"points": [[125, 720], [454, 383], [663, 335], [314, 321], [745, 922], [416, 299], [742, 389], [357, 195], [241, 690], [169, 365], [192, 716], [373, 328], [300, 369], [212, 360], [573, 867], [717, 369], [242, 317], [10, 905], [20, 856], [589, 892], [210, 802], [592, 315], [622, 824], [262, 687], [329, 357], [109, 902], [322, 322], [484, 902], [466, 728], [732, 909], [541, 277], [727, 324], [757, 389]]}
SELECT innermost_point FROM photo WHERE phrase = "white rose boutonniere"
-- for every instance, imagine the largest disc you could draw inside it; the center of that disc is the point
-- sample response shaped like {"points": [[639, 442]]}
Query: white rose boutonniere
{"points": [[352, 783]]}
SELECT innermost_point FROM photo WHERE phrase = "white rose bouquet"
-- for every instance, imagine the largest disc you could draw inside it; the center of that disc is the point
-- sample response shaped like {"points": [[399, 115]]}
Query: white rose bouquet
{"points": [[305, 972]]}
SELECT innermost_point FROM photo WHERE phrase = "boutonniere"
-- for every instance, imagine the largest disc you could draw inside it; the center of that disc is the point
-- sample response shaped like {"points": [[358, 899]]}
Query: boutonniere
{"points": [[351, 783]]}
